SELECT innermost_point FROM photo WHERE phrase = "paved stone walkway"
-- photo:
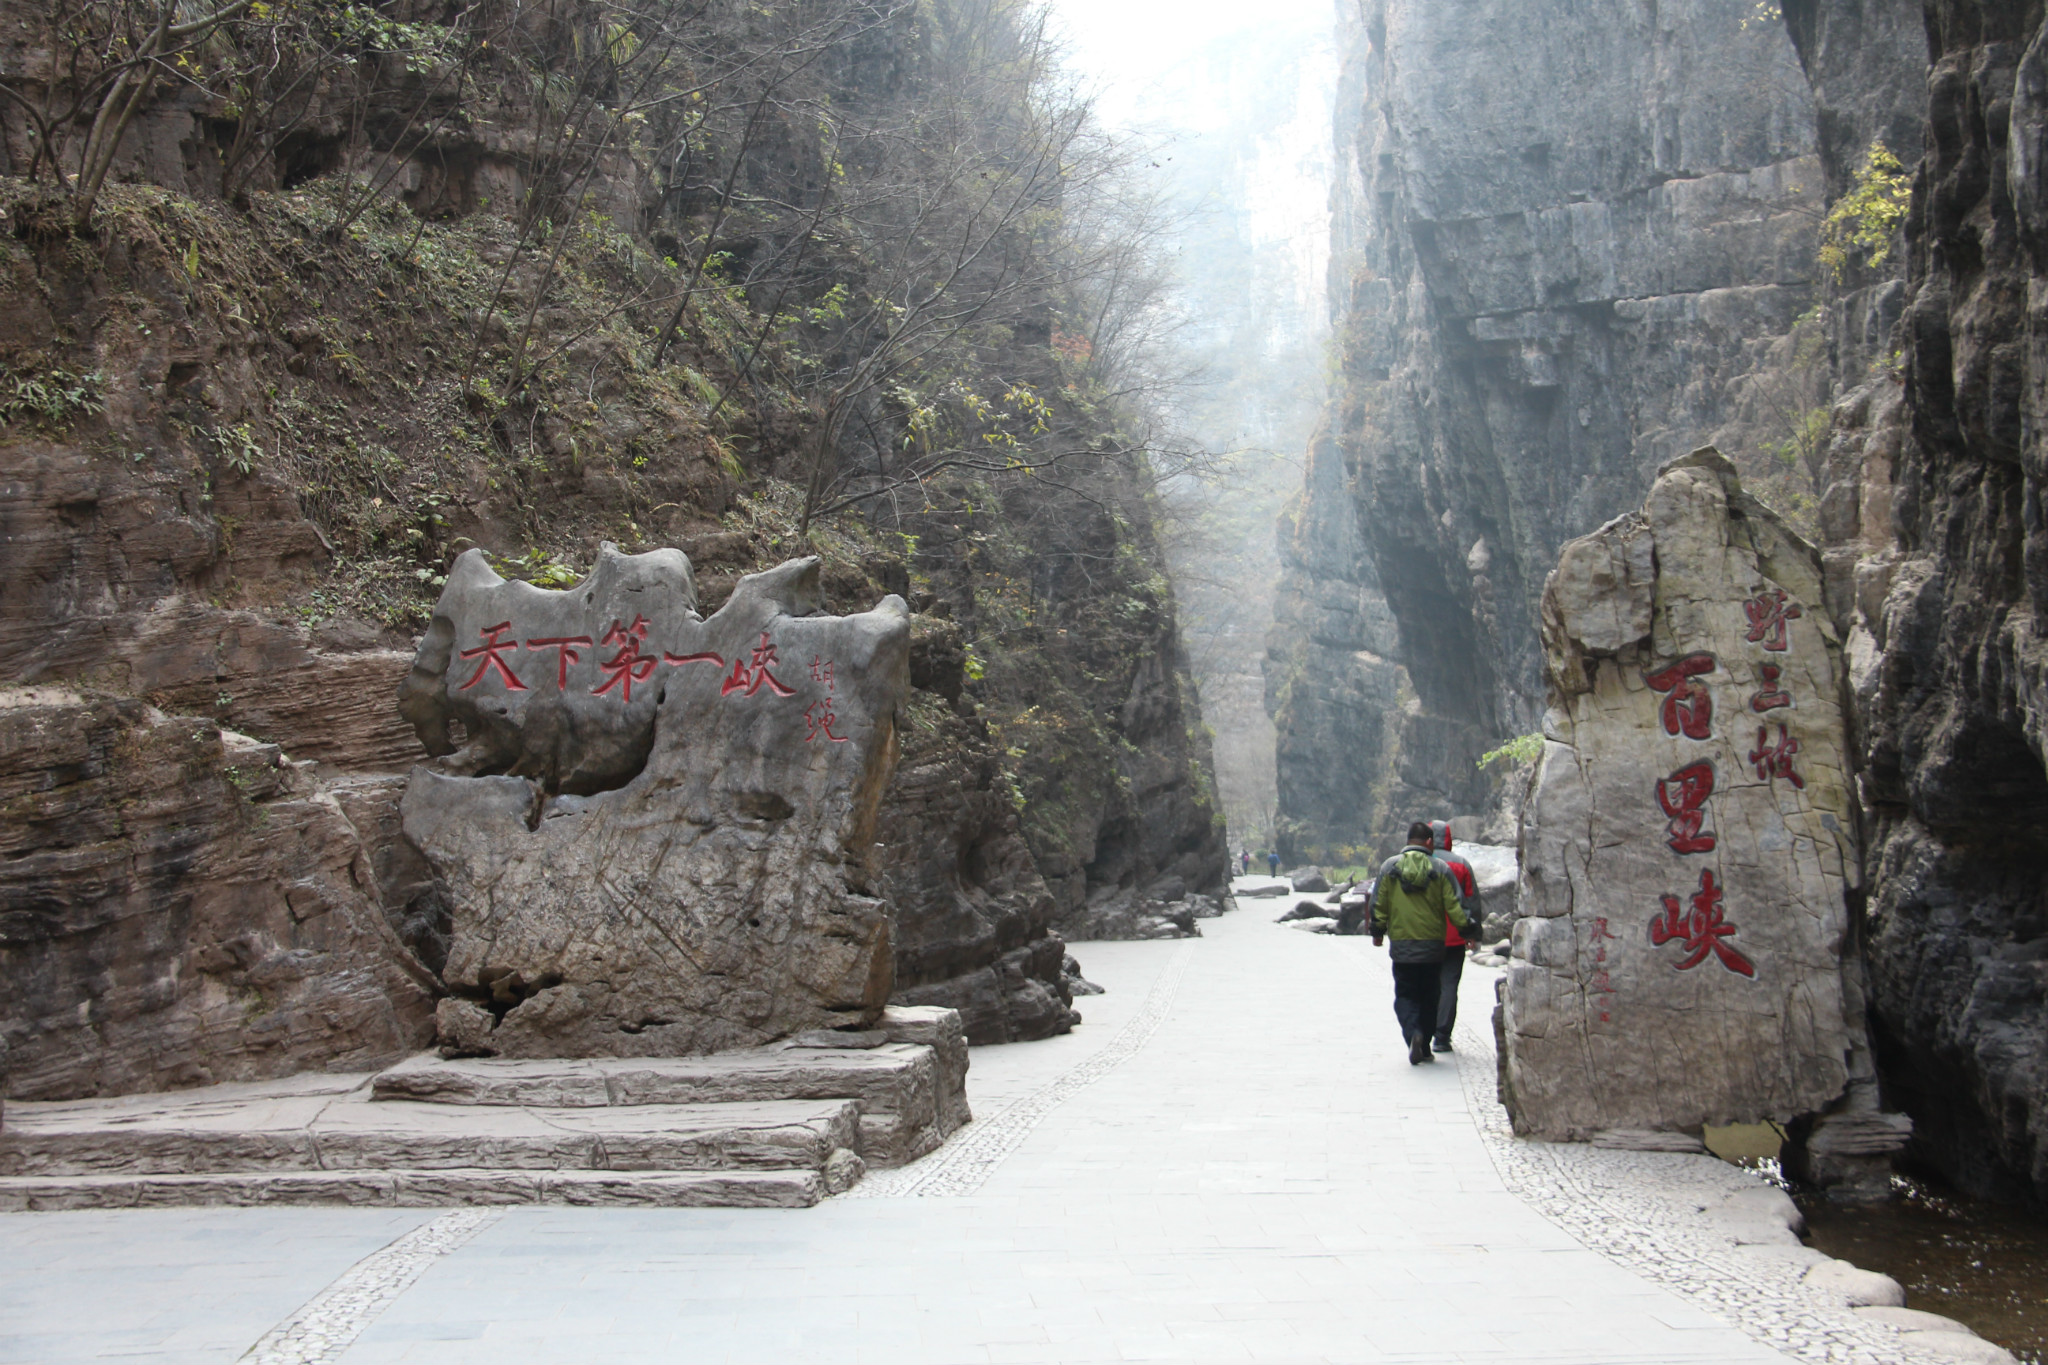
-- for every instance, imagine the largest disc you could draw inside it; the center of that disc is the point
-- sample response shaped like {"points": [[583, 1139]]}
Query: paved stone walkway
{"points": [[1231, 1161]]}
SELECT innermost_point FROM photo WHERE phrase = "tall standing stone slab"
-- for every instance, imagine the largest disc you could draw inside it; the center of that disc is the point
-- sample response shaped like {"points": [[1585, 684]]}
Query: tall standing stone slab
{"points": [[652, 826], [1688, 841]]}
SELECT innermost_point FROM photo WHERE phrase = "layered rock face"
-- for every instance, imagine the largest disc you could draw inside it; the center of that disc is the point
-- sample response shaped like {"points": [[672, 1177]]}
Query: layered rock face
{"points": [[1567, 236], [1689, 840], [706, 888], [181, 905]]}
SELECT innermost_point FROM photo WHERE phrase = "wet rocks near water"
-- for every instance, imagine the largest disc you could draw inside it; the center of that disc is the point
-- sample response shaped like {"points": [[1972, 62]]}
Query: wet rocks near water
{"points": [[1688, 841], [1933, 1335], [1855, 1286], [651, 836]]}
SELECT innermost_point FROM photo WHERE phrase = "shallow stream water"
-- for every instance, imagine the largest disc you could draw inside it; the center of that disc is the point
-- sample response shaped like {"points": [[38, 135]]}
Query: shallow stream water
{"points": [[1980, 1263]]}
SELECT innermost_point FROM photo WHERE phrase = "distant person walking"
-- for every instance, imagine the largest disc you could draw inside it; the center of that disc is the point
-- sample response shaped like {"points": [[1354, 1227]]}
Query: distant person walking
{"points": [[1455, 943], [1245, 865], [1273, 861], [1412, 903]]}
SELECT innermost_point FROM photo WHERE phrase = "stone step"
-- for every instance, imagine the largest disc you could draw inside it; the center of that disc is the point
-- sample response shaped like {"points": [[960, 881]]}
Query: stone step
{"points": [[315, 1130], [419, 1189], [909, 1097]]}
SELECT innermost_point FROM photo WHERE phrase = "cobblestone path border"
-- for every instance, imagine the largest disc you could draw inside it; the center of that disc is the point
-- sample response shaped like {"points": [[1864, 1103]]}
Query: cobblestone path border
{"points": [[971, 1155], [1646, 1211], [332, 1319]]}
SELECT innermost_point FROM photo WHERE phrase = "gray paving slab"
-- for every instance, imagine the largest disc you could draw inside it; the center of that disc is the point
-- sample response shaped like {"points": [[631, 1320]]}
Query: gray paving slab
{"points": [[171, 1285], [1265, 1178], [1247, 1169]]}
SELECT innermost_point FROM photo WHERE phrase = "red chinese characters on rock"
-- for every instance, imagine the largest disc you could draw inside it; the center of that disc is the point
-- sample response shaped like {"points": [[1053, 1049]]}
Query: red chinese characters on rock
{"points": [[629, 665], [747, 677], [632, 664], [565, 654], [1688, 707], [819, 716], [1683, 795], [819, 720], [1768, 613], [1774, 760], [1770, 696], [1601, 983], [1699, 929], [492, 652]]}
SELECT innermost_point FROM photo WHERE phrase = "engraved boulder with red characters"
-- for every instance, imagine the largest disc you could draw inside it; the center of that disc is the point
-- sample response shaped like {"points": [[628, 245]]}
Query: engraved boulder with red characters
{"points": [[1687, 844], [653, 827]]}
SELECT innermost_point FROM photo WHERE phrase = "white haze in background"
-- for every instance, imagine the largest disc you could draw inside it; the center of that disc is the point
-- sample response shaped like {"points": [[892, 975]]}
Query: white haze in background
{"points": [[1191, 73], [1238, 100]]}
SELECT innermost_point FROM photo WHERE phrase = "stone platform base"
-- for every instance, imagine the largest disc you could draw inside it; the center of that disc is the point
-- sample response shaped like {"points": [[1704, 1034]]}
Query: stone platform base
{"points": [[779, 1127]]}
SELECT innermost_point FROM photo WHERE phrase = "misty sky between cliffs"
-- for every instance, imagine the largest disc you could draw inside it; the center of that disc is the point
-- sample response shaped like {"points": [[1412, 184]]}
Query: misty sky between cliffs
{"points": [[1237, 103]]}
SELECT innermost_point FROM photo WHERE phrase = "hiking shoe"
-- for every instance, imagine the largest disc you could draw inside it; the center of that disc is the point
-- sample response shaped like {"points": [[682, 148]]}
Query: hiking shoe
{"points": [[1441, 1045], [1418, 1049]]}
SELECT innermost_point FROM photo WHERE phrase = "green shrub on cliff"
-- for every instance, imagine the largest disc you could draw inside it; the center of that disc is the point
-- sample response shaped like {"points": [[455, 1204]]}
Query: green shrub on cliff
{"points": [[1863, 220]]}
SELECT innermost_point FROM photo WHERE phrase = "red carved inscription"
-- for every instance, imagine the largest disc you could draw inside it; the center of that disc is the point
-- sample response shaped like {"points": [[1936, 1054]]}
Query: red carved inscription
{"points": [[565, 654], [748, 678], [629, 665], [1768, 613], [1688, 707], [1700, 929], [819, 720], [1770, 696], [493, 651], [1602, 984], [1774, 760], [1683, 796]]}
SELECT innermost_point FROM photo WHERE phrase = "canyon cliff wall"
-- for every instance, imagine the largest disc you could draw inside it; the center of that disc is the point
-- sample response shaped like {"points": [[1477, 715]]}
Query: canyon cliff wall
{"points": [[1570, 241], [251, 410], [1573, 239], [1939, 557]]}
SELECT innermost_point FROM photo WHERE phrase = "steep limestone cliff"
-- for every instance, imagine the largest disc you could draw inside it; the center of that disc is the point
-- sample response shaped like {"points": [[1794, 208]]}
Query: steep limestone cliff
{"points": [[1576, 238], [1940, 486], [1572, 242]]}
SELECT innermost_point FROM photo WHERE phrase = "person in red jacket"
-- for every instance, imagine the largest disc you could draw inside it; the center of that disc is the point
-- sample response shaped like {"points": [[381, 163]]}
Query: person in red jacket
{"points": [[1454, 942]]}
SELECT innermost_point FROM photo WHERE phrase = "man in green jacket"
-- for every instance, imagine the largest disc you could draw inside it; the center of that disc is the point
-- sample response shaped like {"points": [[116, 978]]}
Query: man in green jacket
{"points": [[1411, 902]]}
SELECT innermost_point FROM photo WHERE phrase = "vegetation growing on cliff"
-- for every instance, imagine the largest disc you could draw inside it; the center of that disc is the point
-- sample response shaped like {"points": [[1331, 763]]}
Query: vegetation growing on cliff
{"points": [[1866, 218], [857, 280]]}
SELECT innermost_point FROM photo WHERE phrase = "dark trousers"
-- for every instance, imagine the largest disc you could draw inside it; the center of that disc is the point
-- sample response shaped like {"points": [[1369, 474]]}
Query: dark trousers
{"points": [[1452, 971], [1416, 986]]}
